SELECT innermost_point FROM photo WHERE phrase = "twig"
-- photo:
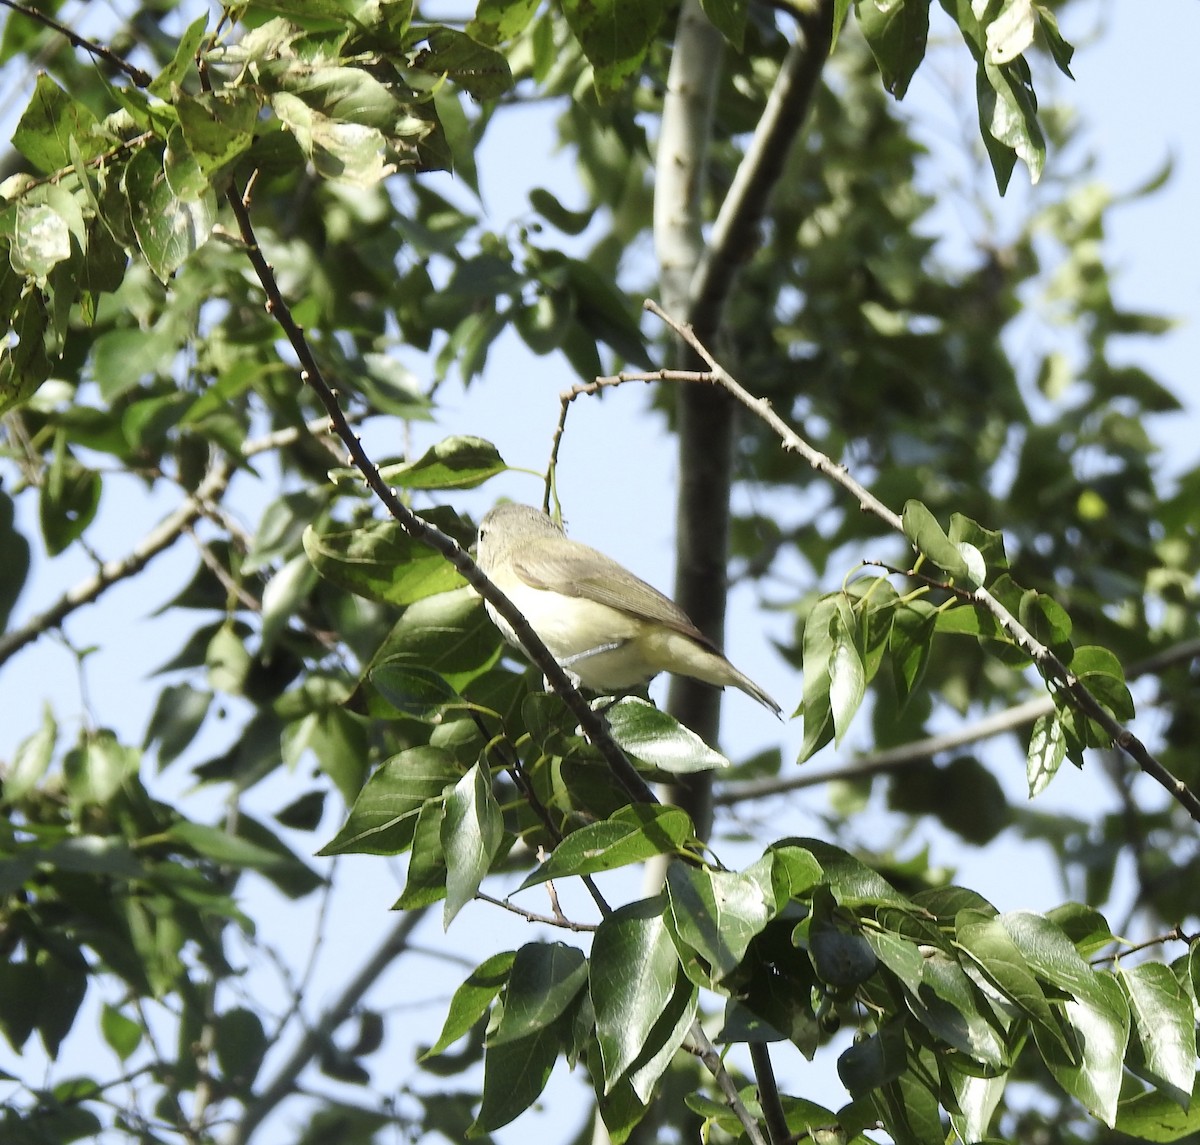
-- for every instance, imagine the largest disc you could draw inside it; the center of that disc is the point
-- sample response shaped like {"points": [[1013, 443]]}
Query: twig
{"points": [[559, 919], [161, 537], [421, 530], [703, 1048], [199, 504], [139, 77], [1050, 665], [316, 1038], [891, 759]]}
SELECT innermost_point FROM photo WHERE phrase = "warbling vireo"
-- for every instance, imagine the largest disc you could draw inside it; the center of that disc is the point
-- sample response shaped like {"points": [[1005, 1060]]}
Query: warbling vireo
{"points": [[605, 626]]}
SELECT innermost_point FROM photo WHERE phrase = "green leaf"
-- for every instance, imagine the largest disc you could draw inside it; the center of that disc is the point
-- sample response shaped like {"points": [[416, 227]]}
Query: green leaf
{"points": [[718, 913], [988, 542], [448, 633], [631, 835], [182, 63], [989, 946], [240, 852], [1060, 50], [729, 18], [896, 34], [384, 815], [454, 463], [426, 882], [39, 238], [614, 35], [976, 1099], [952, 1009], [122, 1034], [1164, 1026], [415, 691], [471, 834], [658, 739], [1085, 926], [218, 126], [240, 1043], [1010, 33], [472, 999], [545, 979], [178, 716], [841, 956], [499, 21], [477, 69], [30, 761], [48, 125], [847, 677], [874, 1061], [68, 502], [818, 656], [282, 596], [853, 883], [921, 527], [634, 969], [1100, 670], [909, 644], [1047, 750], [171, 205], [97, 769], [1099, 1028], [14, 569], [665, 1037], [567, 221], [514, 1074], [1157, 1116], [381, 562], [1045, 618]]}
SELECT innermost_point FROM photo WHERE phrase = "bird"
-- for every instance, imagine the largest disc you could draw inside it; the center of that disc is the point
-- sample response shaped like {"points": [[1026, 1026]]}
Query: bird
{"points": [[607, 628]]}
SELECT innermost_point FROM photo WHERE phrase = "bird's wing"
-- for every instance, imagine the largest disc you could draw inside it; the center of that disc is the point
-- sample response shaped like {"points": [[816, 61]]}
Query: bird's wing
{"points": [[586, 573]]}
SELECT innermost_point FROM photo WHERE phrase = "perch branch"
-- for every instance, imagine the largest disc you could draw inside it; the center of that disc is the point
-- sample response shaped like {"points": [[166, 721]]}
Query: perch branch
{"points": [[1050, 665]]}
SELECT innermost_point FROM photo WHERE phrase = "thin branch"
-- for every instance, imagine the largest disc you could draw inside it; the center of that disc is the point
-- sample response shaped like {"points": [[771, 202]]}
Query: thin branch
{"points": [[703, 1048], [199, 504], [162, 537], [139, 77], [559, 919], [891, 759], [317, 1037], [421, 530], [1049, 664]]}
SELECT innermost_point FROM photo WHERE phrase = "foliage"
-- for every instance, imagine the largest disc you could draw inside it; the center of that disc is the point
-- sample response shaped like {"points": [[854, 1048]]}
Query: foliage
{"points": [[138, 347]]}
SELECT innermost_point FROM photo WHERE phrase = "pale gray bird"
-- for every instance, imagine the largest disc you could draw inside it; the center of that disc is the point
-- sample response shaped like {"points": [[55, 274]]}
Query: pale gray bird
{"points": [[605, 626]]}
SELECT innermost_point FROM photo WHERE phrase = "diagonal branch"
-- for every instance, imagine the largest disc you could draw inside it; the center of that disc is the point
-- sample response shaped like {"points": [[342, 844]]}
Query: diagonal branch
{"points": [[161, 537], [317, 1037], [761, 167], [200, 503], [310, 373], [139, 77], [1052, 668]]}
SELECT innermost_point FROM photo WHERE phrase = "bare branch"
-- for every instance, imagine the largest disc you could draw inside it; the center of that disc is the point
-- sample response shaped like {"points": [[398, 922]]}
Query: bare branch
{"points": [[163, 536], [317, 1037], [201, 503], [139, 77], [1051, 667], [420, 529], [557, 919], [892, 759]]}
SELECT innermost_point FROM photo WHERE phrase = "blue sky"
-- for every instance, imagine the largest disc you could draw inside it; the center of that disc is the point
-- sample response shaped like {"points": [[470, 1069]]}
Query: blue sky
{"points": [[1137, 89]]}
